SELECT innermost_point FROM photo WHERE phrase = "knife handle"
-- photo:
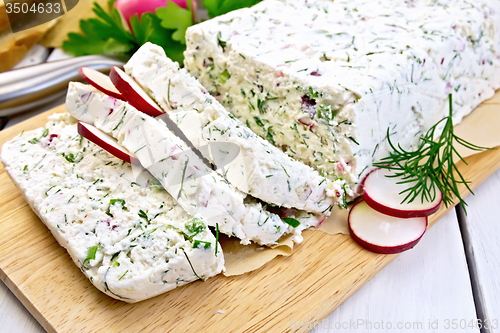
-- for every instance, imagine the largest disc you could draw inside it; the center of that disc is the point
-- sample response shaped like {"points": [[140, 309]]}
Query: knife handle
{"points": [[29, 87]]}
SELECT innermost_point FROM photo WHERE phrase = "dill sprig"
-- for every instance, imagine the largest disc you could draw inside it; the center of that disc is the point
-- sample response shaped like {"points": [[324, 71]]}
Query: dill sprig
{"points": [[430, 167]]}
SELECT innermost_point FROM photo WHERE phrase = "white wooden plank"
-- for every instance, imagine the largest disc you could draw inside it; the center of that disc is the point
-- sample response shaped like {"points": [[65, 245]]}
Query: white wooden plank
{"points": [[13, 315], [483, 233], [421, 288]]}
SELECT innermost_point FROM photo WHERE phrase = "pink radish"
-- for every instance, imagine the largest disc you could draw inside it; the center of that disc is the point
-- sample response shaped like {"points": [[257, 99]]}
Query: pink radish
{"points": [[382, 194], [106, 142], [99, 81], [382, 233], [130, 7], [133, 93]]}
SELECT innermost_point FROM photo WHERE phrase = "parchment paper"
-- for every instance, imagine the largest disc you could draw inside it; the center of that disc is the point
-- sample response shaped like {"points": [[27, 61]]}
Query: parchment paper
{"points": [[481, 127], [241, 259]]}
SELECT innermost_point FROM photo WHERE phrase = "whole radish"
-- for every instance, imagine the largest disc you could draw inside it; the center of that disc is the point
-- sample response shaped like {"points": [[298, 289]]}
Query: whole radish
{"points": [[130, 7]]}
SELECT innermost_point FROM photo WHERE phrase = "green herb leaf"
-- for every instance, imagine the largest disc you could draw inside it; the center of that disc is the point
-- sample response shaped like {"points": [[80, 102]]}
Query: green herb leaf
{"points": [[70, 157], [182, 179], [190, 264], [270, 136], [291, 221], [113, 46], [114, 260], [222, 43], [88, 42], [143, 215], [195, 226], [176, 18], [219, 7], [430, 166], [107, 34], [258, 122], [115, 201], [224, 76], [104, 34], [121, 277], [216, 238], [155, 184], [204, 244], [91, 253]]}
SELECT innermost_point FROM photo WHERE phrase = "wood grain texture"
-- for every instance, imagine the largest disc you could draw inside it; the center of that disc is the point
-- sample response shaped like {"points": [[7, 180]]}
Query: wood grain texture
{"points": [[418, 291], [322, 273], [483, 234]]}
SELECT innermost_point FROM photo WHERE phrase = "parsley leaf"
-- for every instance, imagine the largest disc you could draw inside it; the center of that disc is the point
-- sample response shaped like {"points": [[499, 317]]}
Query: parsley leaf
{"points": [[219, 7], [149, 29], [183, 19], [107, 34], [86, 43], [104, 34]]}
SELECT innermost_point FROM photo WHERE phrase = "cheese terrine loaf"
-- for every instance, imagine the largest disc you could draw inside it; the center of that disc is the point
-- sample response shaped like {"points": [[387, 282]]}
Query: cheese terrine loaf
{"points": [[194, 186], [328, 80], [131, 240]]}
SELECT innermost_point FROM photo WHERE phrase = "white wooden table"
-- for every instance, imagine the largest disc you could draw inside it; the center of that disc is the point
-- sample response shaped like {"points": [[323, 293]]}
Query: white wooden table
{"points": [[447, 283]]}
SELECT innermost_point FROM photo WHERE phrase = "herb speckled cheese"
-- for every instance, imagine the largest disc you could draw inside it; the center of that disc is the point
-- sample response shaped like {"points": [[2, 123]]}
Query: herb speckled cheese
{"points": [[261, 169], [327, 80], [181, 172], [133, 242]]}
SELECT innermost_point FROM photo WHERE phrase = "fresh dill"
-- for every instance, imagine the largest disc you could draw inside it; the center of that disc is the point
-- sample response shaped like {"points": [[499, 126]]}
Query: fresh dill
{"points": [[430, 168], [216, 238], [190, 264]]}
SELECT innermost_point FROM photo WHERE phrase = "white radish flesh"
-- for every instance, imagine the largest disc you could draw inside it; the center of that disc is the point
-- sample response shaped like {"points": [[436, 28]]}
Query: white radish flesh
{"points": [[384, 234], [99, 81], [382, 193], [106, 142], [133, 93]]}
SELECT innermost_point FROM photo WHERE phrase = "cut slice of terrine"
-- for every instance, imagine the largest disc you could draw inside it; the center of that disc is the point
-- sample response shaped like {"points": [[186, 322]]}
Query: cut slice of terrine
{"points": [[196, 188], [326, 81], [260, 169], [131, 240]]}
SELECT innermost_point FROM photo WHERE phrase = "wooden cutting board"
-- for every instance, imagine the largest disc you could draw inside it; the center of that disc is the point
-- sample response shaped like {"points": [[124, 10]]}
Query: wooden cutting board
{"points": [[307, 286]]}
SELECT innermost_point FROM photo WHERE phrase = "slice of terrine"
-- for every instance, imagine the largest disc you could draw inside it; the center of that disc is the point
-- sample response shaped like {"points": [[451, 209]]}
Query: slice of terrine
{"points": [[260, 169], [131, 240], [327, 81], [196, 188]]}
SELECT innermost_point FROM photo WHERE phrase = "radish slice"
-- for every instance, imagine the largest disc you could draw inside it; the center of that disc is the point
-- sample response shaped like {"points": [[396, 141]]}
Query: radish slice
{"points": [[99, 81], [133, 93], [106, 142], [383, 233], [382, 194]]}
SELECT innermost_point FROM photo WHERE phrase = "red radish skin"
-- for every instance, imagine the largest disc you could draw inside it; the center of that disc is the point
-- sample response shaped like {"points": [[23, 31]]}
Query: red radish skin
{"points": [[382, 194], [133, 93], [106, 142], [384, 234], [99, 81], [129, 8]]}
